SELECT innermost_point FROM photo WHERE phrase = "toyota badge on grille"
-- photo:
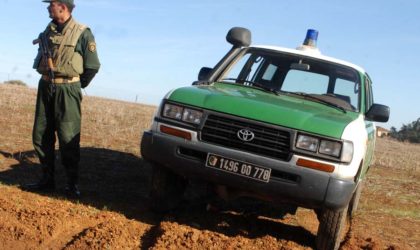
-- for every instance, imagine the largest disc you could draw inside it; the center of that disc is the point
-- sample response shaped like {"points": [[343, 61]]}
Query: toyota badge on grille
{"points": [[245, 135]]}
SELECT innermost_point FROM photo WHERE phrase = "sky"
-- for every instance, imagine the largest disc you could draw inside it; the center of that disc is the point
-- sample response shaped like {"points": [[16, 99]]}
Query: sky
{"points": [[148, 48]]}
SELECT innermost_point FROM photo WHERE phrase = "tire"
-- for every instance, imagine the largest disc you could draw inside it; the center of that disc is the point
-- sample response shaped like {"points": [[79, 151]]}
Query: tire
{"points": [[167, 189], [354, 202], [331, 229]]}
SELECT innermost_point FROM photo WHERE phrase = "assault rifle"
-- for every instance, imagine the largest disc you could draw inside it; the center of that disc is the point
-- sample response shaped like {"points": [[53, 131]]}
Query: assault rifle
{"points": [[46, 55]]}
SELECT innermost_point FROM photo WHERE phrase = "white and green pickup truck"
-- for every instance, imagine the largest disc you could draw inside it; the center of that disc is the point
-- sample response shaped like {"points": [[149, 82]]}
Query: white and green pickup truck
{"points": [[281, 125]]}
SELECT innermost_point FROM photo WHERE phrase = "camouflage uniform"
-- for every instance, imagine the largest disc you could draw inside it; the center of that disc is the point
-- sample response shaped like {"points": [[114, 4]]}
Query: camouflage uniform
{"points": [[58, 104]]}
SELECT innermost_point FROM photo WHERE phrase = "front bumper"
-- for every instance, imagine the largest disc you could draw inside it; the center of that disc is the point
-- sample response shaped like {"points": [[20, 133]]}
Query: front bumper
{"points": [[288, 182]]}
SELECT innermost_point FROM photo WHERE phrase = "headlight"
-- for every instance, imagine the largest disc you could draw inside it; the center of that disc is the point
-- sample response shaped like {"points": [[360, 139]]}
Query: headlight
{"points": [[185, 114], [192, 116], [307, 142], [172, 111], [340, 150], [330, 148]]}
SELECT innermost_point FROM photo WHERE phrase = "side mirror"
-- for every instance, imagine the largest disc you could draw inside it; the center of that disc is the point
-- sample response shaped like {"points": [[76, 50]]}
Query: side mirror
{"points": [[378, 113], [204, 73], [239, 37]]}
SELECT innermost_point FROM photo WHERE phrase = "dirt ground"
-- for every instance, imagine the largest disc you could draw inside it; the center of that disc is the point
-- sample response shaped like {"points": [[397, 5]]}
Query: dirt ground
{"points": [[113, 211]]}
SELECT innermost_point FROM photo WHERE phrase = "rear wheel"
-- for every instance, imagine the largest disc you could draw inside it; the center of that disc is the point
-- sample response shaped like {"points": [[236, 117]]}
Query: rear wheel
{"points": [[167, 189], [331, 230]]}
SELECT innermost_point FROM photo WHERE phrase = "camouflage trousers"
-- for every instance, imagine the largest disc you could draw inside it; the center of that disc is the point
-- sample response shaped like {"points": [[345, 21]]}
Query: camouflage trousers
{"points": [[58, 115]]}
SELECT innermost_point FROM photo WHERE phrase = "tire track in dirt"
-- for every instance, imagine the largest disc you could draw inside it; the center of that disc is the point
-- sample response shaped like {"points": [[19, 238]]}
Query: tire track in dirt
{"points": [[192, 227]]}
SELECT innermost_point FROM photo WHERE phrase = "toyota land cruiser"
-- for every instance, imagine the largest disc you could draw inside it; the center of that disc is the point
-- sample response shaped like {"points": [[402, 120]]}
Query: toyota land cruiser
{"points": [[281, 125]]}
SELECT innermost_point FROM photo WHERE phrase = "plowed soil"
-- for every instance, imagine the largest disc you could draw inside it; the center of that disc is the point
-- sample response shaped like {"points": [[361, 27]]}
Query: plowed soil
{"points": [[113, 211]]}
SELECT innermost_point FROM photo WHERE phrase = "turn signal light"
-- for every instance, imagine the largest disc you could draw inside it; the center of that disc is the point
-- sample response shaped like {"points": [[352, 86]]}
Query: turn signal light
{"points": [[315, 165], [175, 132]]}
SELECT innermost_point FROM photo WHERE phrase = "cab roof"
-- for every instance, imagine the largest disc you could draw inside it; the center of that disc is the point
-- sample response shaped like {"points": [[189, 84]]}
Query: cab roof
{"points": [[314, 54]]}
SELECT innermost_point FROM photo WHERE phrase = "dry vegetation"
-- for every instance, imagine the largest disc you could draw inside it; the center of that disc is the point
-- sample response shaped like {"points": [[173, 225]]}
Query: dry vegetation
{"points": [[113, 212]]}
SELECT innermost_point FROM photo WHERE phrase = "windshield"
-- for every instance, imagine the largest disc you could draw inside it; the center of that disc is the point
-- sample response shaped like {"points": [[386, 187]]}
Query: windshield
{"points": [[297, 75]]}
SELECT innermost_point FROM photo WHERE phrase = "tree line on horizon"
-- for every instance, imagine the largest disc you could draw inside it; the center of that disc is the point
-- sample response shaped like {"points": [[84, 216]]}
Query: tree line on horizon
{"points": [[408, 132]]}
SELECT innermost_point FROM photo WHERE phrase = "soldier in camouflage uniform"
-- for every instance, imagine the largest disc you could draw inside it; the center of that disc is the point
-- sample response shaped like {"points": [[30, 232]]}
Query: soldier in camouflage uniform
{"points": [[58, 107]]}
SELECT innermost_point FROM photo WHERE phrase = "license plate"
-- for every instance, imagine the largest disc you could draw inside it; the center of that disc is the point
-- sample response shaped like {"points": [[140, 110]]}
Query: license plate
{"points": [[238, 167]]}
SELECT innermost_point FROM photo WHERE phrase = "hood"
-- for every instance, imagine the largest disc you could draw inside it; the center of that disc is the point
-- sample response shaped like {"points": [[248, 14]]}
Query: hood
{"points": [[283, 110]]}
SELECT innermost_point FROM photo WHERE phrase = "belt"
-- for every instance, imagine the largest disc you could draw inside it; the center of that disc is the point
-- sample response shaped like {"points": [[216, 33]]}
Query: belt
{"points": [[61, 80]]}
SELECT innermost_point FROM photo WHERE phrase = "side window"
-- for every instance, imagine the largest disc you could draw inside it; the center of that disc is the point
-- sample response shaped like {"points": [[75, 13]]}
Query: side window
{"points": [[347, 90], [304, 81]]}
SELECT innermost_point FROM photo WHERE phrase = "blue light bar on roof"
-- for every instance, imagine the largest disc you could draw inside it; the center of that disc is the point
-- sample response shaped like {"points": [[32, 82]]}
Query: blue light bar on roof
{"points": [[311, 38]]}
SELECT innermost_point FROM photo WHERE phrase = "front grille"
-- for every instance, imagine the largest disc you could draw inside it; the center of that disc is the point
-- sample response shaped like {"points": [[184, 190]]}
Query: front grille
{"points": [[268, 141]]}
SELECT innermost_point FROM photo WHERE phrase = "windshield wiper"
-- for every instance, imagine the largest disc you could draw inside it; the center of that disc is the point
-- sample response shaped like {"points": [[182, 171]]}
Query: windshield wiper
{"points": [[312, 97], [253, 84]]}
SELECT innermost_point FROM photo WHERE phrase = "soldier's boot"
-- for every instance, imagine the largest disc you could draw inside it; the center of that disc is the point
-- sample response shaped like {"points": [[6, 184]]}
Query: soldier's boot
{"points": [[46, 183], [72, 190], [72, 187]]}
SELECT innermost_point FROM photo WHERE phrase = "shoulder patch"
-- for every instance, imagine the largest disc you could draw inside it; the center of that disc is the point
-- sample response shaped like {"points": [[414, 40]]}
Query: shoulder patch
{"points": [[92, 46]]}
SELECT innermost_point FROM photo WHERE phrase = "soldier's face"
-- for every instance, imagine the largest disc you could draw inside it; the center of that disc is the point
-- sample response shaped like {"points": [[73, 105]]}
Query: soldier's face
{"points": [[55, 9]]}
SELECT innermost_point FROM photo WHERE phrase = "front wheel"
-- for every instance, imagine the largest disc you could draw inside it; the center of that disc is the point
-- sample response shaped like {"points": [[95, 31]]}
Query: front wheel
{"points": [[167, 189], [331, 230], [354, 202]]}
